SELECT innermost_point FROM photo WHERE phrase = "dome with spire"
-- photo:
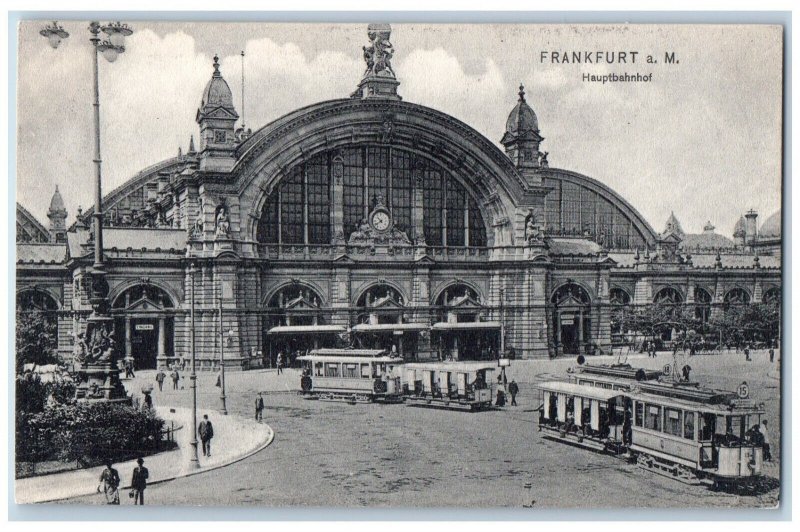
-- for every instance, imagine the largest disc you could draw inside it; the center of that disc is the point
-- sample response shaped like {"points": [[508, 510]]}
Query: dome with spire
{"points": [[771, 228], [522, 120], [57, 204], [217, 92], [740, 229]]}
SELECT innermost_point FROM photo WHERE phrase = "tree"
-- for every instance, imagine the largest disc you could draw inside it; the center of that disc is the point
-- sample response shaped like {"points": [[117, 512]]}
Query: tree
{"points": [[36, 339]]}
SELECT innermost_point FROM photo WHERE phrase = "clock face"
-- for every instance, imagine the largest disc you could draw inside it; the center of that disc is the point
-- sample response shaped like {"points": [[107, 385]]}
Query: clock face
{"points": [[381, 221]]}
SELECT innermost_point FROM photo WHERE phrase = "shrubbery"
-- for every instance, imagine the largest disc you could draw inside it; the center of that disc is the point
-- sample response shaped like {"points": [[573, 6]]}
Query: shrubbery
{"points": [[51, 425], [87, 433]]}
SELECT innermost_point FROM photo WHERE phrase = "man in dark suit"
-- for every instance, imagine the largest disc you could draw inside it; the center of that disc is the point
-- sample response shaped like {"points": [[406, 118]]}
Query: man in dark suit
{"points": [[139, 481], [206, 431]]}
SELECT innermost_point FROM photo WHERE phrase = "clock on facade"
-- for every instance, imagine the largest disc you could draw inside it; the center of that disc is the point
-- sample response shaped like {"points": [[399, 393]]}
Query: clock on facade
{"points": [[381, 220]]}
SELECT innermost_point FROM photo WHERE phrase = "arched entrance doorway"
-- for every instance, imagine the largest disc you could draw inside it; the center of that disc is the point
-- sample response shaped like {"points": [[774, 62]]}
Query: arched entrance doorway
{"points": [[144, 313], [295, 324], [571, 318]]}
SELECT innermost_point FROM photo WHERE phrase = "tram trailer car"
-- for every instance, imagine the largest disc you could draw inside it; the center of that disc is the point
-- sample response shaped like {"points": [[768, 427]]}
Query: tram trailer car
{"points": [[688, 433], [361, 375], [453, 385]]}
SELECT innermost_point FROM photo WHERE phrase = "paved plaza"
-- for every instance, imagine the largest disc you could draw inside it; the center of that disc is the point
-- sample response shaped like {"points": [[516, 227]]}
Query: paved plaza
{"points": [[337, 454]]}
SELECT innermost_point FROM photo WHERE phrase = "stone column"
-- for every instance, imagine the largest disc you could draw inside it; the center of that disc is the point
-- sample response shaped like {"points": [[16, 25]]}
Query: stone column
{"points": [[337, 200], [162, 339], [418, 221], [128, 342]]}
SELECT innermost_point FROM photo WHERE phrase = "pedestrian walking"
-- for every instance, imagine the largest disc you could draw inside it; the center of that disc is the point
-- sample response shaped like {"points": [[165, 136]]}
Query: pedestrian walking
{"points": [[206, 431], [175, 376], [765, 435], [771, 355], [279, 363], [147, 402], [747, 353], [259, 406], [160, 376], [129, 369], [139, 482], [109, 483], [513, 389]]}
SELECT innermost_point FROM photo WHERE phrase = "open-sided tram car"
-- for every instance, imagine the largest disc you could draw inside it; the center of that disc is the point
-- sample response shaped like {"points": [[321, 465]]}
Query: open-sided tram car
{"points": [[457, 385], [362, 375], [685, 432], [590, 416]]}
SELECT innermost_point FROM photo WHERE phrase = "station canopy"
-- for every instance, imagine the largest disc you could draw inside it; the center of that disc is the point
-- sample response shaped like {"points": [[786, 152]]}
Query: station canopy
{"points": [[307, 329], [390, 327], [465, 325]]}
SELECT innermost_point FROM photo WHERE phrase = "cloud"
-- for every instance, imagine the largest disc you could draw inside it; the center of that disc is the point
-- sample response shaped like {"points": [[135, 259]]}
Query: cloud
{"points": [[703, 139]]}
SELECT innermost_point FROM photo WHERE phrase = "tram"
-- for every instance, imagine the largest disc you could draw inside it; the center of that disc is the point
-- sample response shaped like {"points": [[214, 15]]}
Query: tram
{"points": [[354, 375], [455, 385], [680, 430]]}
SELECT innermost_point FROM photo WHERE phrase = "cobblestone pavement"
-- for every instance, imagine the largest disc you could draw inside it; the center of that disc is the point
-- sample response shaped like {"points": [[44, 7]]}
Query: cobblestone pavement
{"points": [[337, 454]]}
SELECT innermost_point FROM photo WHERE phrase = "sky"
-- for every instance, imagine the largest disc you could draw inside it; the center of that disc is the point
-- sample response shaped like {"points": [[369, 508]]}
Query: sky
{"points": [[702, 139]]}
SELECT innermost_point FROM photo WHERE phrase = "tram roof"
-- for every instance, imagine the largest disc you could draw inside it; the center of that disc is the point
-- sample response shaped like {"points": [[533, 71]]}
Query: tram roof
{"points": [[736, 407], [307, 329], [351, 359], [462, 366], [332, 351], [579, 390]]}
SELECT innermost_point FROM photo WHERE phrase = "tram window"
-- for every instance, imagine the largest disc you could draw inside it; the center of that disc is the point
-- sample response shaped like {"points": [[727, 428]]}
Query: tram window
{"points": [[688, 425], [672, 421], [318, 369], [350, 370], [708, 423], [365, 374], [652, 418], [331, 369], [639, 417]]}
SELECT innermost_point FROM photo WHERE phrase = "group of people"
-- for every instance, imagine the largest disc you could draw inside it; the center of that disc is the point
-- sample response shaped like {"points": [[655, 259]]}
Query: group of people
{"points": [[110, 481], [161, 376]]}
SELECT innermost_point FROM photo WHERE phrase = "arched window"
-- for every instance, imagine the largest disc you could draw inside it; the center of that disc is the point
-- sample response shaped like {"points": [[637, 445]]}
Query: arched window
{"points": [[618, 296], [773, 295], [140, 292], [737, 296], [378, 294], [35, 300], [571, 294], [299, 210], [702, 299], [295, 304], [668, 296]]}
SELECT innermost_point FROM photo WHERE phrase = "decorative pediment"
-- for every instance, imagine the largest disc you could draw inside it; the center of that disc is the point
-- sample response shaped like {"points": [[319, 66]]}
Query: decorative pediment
{"points": [[301, 303], [570, 301], [144, 304], [387, 303], [464, 302]]}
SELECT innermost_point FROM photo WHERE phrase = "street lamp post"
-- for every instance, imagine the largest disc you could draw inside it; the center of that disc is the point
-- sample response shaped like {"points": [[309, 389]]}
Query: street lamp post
{"points": [[98, 373], [222, 341], [194, 462]]}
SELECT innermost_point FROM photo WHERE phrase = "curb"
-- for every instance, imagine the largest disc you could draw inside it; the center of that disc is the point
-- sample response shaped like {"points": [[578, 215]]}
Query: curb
{"points": [[260, 448]]}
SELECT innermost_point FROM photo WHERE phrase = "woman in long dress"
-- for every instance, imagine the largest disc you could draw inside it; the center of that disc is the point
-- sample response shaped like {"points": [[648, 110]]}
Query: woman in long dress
{"points": [[109, 482]]}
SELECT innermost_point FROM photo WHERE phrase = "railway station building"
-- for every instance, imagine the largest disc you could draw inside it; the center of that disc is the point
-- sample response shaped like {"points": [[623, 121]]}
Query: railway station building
{"points": [[374, 221]]}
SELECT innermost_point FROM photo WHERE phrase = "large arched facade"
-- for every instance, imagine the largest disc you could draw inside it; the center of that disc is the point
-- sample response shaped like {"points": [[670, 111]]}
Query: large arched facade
{"points": [[372, 221]]}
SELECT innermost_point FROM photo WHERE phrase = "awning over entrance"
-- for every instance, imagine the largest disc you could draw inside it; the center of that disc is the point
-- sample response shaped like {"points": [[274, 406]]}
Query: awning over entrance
{"points": [[390, 327], [465, 325], [307, 329]]}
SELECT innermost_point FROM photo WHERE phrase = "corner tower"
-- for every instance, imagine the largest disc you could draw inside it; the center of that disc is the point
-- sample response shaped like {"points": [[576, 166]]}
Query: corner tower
{"points": [[57, 214], [522, 138], [217, 118]]}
